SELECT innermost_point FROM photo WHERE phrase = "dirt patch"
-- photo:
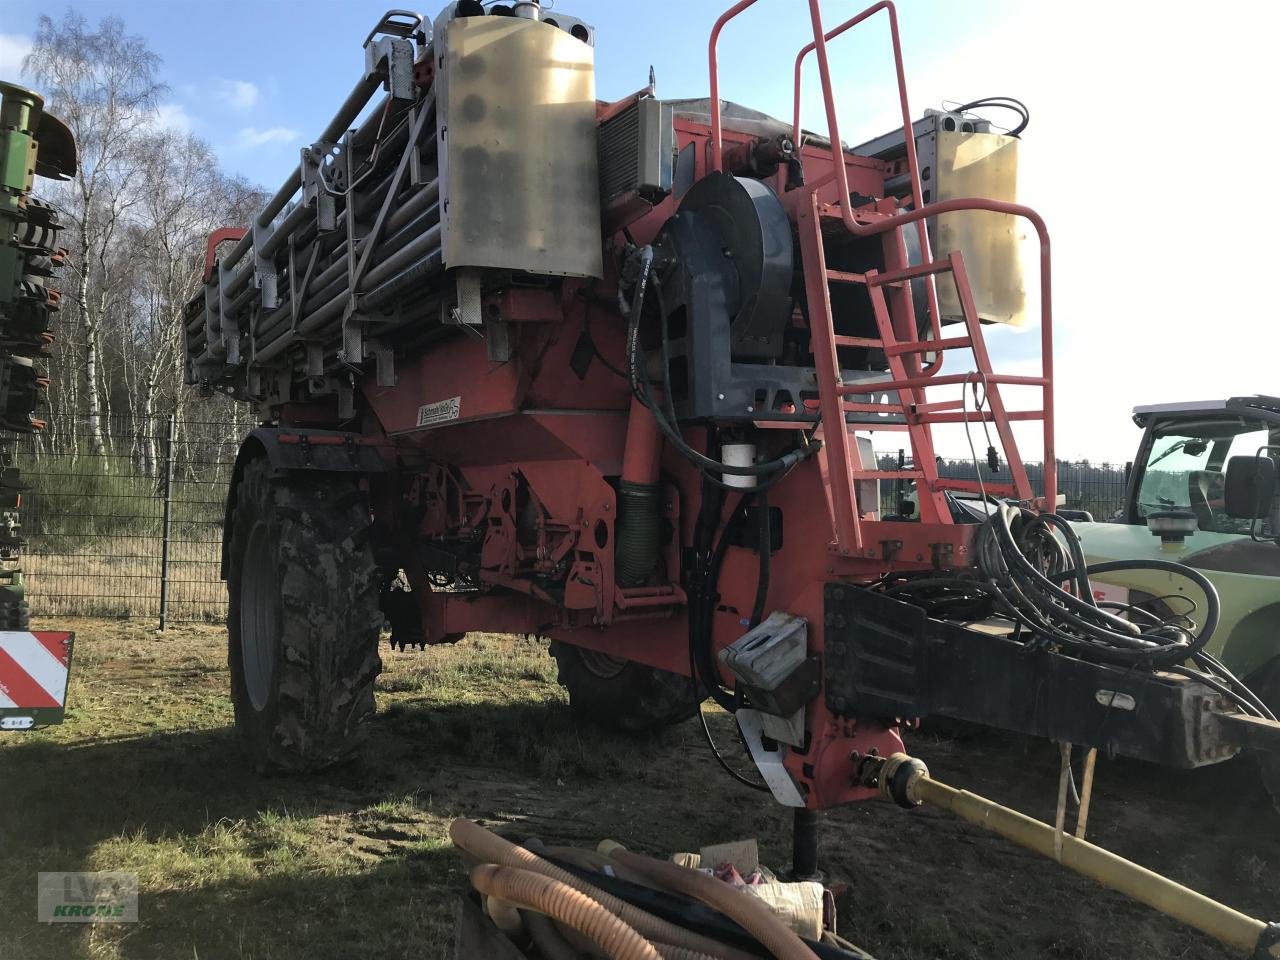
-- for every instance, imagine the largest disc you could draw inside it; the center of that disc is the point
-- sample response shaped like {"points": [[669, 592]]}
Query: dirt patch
{"points": [[146, 776]]}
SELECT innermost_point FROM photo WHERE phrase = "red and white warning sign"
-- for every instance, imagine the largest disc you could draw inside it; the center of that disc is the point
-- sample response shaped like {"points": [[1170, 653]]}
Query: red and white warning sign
{"points": [[33, 670]]}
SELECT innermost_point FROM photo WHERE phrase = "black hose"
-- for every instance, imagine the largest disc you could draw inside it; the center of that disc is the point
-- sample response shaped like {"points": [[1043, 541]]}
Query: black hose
{"points": [[707, 601], [1003, 103], [1034, 597], [764, 536]]}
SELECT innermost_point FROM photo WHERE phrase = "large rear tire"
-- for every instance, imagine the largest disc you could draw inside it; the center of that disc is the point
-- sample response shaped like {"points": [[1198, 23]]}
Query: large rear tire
{"points": [[1266, 684], [303, 618], [622, 695]]}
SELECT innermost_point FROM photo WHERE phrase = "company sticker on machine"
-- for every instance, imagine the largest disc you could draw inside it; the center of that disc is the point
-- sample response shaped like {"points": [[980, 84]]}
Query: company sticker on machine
{"points": [[442, 411]]}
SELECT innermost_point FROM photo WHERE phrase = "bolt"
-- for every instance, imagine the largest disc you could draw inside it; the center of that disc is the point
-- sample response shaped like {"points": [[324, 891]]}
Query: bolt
{"points": [[719, 396]]}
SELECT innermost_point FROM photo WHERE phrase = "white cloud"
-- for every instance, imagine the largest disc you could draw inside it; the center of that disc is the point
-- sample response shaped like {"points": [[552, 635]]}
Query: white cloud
{"points": [[173, 117], [13, 49], [255, 137], [238, 94]]}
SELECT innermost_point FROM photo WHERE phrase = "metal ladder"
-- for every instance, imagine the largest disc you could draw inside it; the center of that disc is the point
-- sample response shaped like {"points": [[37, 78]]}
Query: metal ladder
{"points": [[891, 303]]}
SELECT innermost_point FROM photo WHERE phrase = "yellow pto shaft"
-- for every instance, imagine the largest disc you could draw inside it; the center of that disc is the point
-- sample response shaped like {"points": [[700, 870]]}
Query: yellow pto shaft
{"points": [[906, 781]]}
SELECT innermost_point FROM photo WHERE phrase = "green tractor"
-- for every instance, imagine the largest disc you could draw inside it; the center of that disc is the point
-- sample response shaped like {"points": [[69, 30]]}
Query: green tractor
{"points": [[1202, 491], [33, 666]]}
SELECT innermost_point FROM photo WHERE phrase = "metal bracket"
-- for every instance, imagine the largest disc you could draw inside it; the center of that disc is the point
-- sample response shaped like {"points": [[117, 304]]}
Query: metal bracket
{"points": [[467, 312], [768, 761], [265, 277], [317, 190], [385, 360], [392, 59], [497, 338], [230, 329], [352, 351], [315, 359]]}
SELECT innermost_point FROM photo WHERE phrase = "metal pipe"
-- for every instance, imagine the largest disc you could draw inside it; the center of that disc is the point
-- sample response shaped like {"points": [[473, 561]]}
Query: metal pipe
{"points": [[170, 440], [323, 284], [421, 245], [295, 218], [424, 247], [428, 266], [717, 141], [290, 223], [341, 121]]}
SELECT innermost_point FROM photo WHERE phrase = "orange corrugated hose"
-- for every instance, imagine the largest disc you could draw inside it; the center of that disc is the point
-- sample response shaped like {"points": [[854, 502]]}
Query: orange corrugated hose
{"points": [[549, 941], [752, 914], [488, 847], [616, 939]]}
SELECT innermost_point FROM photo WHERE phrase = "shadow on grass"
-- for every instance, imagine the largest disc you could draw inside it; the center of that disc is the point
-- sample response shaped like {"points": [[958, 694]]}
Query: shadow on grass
{"points": [[348, 863]]}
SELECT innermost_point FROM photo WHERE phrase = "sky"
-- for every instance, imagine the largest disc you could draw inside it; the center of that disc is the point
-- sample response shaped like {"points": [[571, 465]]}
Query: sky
{"points": [[1145, 118]]}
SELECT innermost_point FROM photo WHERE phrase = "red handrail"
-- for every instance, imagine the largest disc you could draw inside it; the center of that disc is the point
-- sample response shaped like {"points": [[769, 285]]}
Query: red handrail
{"points": [[921, 212], [819, 43], [717, 141]]}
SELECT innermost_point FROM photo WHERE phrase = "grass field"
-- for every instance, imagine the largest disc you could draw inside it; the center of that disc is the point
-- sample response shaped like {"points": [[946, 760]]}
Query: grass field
{"points": [[146, 776]]}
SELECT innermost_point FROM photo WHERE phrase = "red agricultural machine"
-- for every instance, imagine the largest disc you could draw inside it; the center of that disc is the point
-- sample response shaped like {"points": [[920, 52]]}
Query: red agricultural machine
{"points": [[608, 373]]}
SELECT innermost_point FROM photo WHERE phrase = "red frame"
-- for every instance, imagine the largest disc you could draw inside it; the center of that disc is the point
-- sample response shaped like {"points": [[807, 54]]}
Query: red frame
{"points": [[528, 428]]}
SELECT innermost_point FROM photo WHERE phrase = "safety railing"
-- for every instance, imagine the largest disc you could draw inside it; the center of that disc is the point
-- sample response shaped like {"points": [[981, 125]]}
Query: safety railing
{"points": [[921, 212]]}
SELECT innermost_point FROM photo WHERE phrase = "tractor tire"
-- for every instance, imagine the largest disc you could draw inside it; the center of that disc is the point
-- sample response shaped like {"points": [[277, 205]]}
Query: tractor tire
{"points": [[1266, 684], [622, 695], [303, 619]]}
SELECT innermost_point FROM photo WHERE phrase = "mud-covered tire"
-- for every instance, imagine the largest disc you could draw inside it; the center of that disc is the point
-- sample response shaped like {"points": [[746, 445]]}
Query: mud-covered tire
{"points": [[622, 695], [303, 619], [1266, 684]]}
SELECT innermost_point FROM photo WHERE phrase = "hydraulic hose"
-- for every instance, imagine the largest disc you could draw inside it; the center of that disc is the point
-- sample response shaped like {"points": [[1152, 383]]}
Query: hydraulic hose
{"points": [[764, 546], [751, 914], [488, 847], [1034, 597], [558, 900]]}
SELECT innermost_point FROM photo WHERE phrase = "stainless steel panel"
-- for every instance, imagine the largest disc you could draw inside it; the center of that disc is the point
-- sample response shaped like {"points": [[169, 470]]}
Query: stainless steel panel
{"points": [[519, 170], [981, 165]]}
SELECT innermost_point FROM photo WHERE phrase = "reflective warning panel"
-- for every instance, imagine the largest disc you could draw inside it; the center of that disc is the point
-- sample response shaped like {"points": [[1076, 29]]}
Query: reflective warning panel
{"points": [[33, 677]]}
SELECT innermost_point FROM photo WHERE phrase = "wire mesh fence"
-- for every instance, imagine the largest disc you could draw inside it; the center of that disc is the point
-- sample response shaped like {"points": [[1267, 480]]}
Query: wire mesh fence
{"points": [[95, 515], [1095, 488]]}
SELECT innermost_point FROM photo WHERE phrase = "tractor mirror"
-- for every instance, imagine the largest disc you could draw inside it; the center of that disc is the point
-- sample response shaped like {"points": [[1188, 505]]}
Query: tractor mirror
{"points": [[1250, 487]]}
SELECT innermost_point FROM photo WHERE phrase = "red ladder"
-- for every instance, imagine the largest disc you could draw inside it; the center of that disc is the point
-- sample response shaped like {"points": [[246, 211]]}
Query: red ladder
{"points": [[895, 318], [891, 304]]}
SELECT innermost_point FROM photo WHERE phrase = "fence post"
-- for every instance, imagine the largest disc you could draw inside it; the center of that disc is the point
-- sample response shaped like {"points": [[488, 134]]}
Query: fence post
{"points": [[168, 516]]}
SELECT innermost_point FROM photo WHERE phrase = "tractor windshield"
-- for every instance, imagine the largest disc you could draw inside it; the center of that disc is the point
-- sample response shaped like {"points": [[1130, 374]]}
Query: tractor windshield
{"points": [[1187, 463]]}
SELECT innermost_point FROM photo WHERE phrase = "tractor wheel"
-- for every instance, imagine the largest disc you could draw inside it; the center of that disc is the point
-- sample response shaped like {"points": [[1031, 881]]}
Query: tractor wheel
{"points": [[303, 620], [621, 694], [1266, 684]]}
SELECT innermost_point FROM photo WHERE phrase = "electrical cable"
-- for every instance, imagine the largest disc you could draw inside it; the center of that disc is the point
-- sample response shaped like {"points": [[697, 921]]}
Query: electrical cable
{"points": [[764, 547], [1032, 569], [589, 299], [1002, 103], [703, 599]]}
